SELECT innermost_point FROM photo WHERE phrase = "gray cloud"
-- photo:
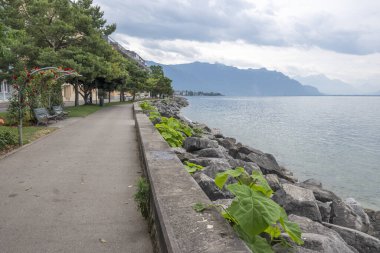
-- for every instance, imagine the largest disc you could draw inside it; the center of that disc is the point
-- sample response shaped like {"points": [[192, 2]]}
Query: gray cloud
{"points": [[223, 20]]}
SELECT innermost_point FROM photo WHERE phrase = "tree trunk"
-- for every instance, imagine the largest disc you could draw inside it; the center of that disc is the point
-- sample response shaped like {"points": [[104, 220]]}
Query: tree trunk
{"points": [[134, 96], [76, 88], [109, 97], [20, 118]]}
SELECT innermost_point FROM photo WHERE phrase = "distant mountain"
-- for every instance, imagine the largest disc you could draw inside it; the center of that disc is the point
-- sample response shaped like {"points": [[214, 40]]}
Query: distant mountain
{"points": [[328, 86], [232, 81]]}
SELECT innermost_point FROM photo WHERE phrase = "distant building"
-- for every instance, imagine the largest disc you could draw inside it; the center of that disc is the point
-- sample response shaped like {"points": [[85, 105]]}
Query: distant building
{"points": [[5, 90]]}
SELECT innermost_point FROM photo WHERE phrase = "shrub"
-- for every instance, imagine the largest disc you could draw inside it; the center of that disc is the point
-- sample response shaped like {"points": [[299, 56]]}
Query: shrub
{"points": [[7, 139]]}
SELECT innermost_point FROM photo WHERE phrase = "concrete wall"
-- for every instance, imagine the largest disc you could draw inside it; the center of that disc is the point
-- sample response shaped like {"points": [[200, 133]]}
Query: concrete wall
{"points": [[175, 226]]}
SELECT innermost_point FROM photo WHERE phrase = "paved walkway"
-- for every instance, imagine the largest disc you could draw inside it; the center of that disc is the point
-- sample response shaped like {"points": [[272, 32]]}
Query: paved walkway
{"points": [[73, 190]]}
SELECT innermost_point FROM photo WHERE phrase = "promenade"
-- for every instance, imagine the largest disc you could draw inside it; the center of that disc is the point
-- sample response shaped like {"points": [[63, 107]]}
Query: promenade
{"points": [[72, 191]]}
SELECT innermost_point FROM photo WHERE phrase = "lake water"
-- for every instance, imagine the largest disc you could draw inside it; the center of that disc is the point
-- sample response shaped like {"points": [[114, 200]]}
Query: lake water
{"points": [[333, 139]]}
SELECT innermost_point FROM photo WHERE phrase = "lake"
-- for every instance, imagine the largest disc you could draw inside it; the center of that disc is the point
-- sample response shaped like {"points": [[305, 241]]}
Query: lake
{"points": [[334, 139]]}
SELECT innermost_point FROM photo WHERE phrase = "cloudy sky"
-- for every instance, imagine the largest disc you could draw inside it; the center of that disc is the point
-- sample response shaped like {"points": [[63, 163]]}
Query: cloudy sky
{"points": [[340, 38]]}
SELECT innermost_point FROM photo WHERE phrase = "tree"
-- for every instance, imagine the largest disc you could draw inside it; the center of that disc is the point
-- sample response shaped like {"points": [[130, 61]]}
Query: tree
{"points": [[158, 84]]}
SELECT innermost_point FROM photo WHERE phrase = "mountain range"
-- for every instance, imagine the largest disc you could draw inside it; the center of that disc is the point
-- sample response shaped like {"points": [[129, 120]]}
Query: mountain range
{"points": [[232, 81], [328, 86]]}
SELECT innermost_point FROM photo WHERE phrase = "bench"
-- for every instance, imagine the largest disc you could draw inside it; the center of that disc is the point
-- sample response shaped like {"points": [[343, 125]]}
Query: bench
{"points": [[59, 112], [43, 116]]}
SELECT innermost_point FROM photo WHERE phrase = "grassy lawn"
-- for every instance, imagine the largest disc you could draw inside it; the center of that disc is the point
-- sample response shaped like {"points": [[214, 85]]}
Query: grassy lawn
{"points": [[85, 110], [30, 133], [3, 115]]}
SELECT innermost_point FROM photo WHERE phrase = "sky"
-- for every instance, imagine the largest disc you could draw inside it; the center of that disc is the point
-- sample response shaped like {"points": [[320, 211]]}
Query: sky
{"points": [[340, 38]]}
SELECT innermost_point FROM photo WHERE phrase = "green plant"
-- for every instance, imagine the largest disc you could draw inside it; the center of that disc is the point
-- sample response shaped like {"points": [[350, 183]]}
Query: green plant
{"points": [[146, 106], [198, 132], [142, 196], [173, 131], [154, 115], [258, 220], [192, 167], [7, 138]]}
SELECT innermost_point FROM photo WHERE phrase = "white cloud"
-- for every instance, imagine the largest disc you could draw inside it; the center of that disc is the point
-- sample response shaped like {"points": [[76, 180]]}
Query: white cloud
{"points": [[339, 38]]}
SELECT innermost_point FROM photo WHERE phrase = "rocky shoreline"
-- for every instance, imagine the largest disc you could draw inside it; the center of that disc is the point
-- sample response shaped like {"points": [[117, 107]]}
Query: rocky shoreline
{"points": [[329, 223]]}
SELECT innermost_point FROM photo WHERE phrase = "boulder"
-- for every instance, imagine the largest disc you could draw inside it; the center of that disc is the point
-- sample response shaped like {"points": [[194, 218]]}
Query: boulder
{"points": [[266, 162], [298, 201], [195, 143], [319, 193], [325, 210], [227, 143], [209, 187], [210, 152], [182, 154], [374, 217], [314, 182], [248, 166], [362, 242], [247, 150], [358, 209], [216, 167], [318, 238], [344, 215], [207, 161], [273, 181]]}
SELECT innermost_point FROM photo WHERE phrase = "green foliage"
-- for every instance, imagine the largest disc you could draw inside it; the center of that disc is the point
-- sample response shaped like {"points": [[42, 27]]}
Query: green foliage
{"points": [[142, 197], [147, 107], [197, 132], [253, 213], [154, 115], [192, 167], [173, 131], [7, 138]]}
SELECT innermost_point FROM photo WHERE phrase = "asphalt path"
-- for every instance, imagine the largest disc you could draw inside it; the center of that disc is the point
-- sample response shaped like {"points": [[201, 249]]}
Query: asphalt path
{"points": [[72, 191]]}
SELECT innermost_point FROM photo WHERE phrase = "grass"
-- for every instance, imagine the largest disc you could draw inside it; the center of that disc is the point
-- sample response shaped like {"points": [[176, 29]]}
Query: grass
{"points": [[30, 134], [85, 110], [3, 115]]}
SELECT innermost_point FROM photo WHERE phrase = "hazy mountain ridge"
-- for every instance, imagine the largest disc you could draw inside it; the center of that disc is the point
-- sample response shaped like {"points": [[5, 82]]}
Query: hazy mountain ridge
{"points": [[327, 85], [233, 81]]}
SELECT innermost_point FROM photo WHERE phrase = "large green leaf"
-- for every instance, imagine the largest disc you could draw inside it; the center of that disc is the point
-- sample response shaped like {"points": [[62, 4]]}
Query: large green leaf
{"points": [[291, 228], [221, 178], [253, 211], [261, 183], [260, 245], [255, 243]]}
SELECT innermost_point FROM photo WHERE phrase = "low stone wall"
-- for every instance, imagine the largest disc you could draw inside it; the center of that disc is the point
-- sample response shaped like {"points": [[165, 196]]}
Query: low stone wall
{"points": [[174, 225]]}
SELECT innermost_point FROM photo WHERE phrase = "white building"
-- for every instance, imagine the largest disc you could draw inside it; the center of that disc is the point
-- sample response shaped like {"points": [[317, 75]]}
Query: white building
{"points": [[5, 90]]}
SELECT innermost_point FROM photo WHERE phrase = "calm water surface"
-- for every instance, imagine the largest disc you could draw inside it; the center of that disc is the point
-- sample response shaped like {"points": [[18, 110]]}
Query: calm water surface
{"points": [[333, 139]]}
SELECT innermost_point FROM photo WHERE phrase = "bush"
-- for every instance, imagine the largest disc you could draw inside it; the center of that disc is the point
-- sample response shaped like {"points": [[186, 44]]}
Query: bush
{"points": [[7, 139]]}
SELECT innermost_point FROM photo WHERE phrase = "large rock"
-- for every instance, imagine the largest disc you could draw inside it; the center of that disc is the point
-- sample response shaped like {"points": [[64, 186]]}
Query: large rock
{"points": [[318, 238], [210, 152], [247, 150], [319, 193], [345, 216], [248, 166], [298, 201], [207, 161], [215, 167], [362, 242], [194, 143], [374, 217], [227, 143], [209, 187], [182, 154], [325, 210], [358, 209], [273, 181]]}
